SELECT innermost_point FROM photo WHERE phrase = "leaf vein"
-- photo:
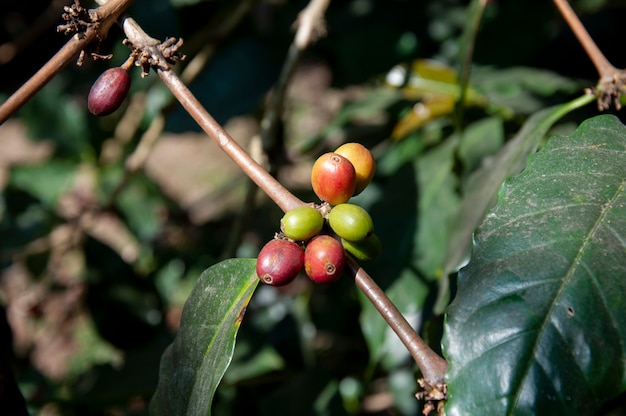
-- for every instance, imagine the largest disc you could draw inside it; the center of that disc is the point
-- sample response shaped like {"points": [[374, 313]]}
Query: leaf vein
{"points": [[566, 280]]}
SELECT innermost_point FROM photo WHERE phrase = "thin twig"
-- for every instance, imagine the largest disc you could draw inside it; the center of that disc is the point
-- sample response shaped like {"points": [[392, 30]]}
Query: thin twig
{"points": [[148, 140], [310, 17], [107, 14], [310, 23], [279, 194], [432, 366], [612, 83], [310, 27], [603, 66], [466, 61]]}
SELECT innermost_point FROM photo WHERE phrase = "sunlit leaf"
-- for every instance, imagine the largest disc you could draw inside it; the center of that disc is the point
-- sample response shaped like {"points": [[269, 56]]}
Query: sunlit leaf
{"points": [[193, 366], [538, 325], [435, 88]]}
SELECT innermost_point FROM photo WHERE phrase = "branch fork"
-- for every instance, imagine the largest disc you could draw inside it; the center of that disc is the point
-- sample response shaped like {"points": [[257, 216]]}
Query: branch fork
{"points": [[81, 22], [148, 52], [612, 82], [434, 396], [609, 90]]}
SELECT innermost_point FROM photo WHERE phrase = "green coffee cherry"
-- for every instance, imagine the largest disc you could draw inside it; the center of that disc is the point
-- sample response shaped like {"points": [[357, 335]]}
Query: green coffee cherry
{"points": [[364, 250], [301, 223], [350, 222]]}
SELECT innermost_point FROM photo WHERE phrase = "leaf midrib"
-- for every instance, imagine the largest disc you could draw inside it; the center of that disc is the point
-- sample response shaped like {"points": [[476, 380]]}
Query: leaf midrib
{"points": [[567, 278], [234, 305]]}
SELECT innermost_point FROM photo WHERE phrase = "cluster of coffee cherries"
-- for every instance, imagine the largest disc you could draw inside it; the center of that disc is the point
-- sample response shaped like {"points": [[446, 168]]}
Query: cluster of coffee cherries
{"points": [[316, 237]]}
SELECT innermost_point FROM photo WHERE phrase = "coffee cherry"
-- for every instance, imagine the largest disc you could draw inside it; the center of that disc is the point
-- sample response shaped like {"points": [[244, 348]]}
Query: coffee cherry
{"points": [[279, 262], [301, 223], [333, 178], [364, 250], [363, 162], [108, 92], [324, 259], [350, 222]]}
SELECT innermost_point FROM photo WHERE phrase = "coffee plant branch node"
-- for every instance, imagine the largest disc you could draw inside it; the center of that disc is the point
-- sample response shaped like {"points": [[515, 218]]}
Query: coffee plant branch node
{"points": [[610, 90], [148, 52], [434, 396]]}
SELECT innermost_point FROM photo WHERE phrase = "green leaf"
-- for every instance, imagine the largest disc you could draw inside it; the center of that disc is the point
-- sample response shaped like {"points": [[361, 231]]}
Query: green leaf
{"points": [[438, 208], [193, 366], [522, 89], [482, 186], [538, 325], [421, 195], [53, 115], [480, 139], [47, 181]]}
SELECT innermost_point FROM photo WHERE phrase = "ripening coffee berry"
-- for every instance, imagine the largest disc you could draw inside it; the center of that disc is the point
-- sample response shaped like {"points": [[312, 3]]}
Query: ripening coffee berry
{"points": [[350, 222], [279, 262], [364, 250], [333, 178], [108, 92], [302, 223], [324, 259], [363, 162]]}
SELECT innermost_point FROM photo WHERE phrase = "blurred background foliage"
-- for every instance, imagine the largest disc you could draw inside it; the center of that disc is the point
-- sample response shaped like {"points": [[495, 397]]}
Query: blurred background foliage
{"points": [[106, 224]]}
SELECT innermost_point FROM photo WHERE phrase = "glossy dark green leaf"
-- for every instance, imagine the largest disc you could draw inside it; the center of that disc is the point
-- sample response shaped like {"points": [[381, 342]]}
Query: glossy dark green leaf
{"points": [[193, 366], [538, 325]]}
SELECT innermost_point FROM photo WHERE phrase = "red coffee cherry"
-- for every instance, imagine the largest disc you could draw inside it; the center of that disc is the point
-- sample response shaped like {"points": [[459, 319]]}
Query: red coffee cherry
{"points": [[324, 259], [363, 162], [301, 223], [333, 178], [279, 262], [108, 92]]}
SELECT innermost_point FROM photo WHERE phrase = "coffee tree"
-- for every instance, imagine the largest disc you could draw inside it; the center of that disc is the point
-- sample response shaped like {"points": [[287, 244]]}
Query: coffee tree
{"points": [[448, 238]]}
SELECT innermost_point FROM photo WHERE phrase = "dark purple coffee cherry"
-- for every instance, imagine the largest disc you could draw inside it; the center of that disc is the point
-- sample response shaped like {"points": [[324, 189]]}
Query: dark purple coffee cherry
{"points": [[108, 92], [279, 262]]}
